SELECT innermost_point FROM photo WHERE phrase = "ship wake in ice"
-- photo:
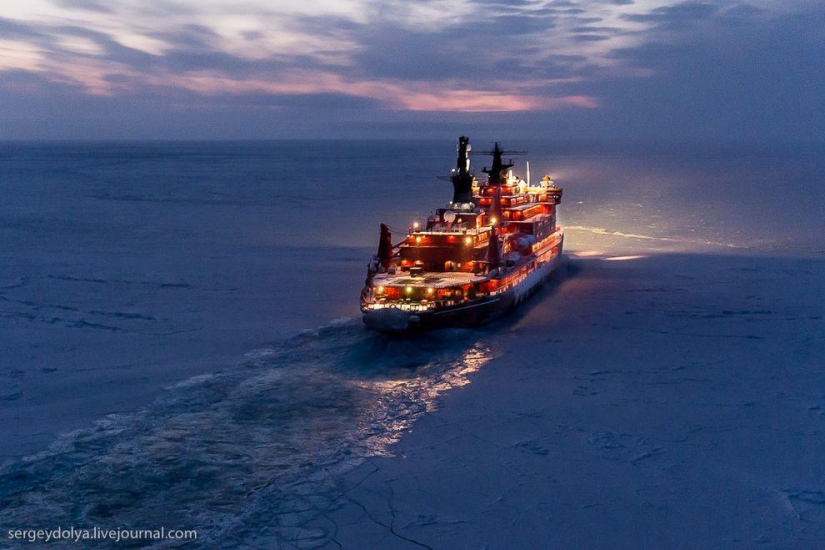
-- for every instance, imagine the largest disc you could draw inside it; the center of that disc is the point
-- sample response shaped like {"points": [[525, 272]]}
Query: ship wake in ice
{"points": [[256, 448]]}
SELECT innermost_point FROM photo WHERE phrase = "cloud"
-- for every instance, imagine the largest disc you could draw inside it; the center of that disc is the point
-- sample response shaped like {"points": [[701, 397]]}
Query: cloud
{"points": [[86, 5], [462, 56], [676, 15], [11, 29], [456, 46], [755, 80], [590, 37]]}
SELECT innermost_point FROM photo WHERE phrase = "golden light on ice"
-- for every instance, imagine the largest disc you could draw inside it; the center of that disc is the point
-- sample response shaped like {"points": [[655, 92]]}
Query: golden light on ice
{"points": [[624, 258], [420, 394], [589, 253]]}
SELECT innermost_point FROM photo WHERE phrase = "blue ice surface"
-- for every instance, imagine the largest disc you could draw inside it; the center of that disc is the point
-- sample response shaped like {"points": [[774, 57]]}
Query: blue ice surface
{"points": [[230, 273]]}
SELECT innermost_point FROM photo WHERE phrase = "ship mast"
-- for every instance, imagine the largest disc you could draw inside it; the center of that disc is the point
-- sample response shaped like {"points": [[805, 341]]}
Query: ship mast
{"points": [[497, 171]]}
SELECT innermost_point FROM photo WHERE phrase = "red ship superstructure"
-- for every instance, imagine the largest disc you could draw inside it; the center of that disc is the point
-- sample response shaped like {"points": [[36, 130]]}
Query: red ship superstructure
{"points": [[471, 261]]}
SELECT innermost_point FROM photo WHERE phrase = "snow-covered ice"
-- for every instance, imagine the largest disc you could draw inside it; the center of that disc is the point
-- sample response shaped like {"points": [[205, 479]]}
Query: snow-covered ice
{"points": [[171, 356], [673, 401]]}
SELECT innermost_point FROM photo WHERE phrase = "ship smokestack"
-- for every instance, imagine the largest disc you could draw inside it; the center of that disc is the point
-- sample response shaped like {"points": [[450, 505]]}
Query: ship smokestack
{"points": [[461, 177], [385, 247]]}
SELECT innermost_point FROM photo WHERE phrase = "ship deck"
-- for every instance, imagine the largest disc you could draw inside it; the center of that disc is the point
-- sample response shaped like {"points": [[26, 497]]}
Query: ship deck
{"points": [[430, 279]]}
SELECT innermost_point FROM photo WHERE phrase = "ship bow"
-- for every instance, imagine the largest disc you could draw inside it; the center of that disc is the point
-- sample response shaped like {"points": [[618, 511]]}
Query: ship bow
{"points": [[387, 320]]}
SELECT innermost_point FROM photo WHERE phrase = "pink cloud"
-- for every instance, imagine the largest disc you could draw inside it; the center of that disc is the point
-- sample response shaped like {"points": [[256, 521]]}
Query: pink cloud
{"points": [[486, 101], [398, 96]]}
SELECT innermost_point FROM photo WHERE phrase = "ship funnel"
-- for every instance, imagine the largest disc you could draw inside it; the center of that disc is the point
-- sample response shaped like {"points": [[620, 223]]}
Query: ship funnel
{"points": [[385, 247], [461, 177]]}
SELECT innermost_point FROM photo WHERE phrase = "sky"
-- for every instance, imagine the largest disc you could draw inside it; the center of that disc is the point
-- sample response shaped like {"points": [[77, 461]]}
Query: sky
{"points": [[278, 69]]}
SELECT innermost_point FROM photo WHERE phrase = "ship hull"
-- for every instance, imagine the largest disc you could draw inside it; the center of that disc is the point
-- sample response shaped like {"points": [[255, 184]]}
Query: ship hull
{"points": [[468, 314]]}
